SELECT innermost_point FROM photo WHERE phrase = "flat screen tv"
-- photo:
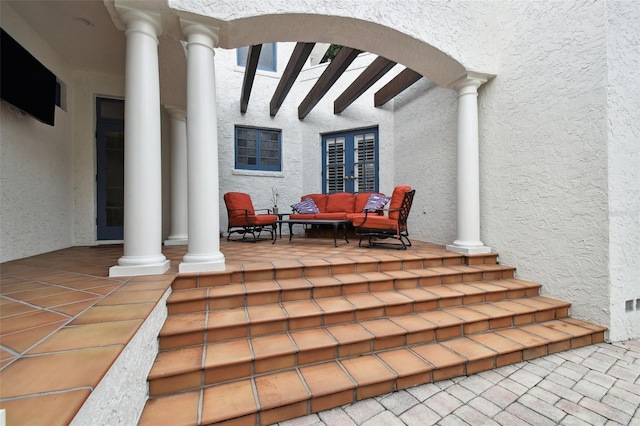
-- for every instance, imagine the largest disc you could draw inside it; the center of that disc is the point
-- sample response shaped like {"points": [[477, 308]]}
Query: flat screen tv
{"points": [[25, 82]]}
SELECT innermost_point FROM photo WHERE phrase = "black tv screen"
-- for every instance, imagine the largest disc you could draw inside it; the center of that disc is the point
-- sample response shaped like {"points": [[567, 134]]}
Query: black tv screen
{"points": [[25, 82]]}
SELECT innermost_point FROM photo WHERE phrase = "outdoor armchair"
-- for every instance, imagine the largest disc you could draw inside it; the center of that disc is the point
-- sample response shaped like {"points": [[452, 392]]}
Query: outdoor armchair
{"points": [[375, 226], [243, 219]]}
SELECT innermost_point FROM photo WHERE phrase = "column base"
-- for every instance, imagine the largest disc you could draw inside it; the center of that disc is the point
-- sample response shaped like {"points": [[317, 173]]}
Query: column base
{"points": [[468, 250], [177, 241], [202, 263], [136, 270]]}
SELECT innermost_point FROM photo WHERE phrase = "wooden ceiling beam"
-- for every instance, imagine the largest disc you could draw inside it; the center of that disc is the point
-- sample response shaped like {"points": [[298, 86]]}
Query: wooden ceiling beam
{"points": [[298, 58], [338, 65], [392, 89], [249, 75], [374, 72]]}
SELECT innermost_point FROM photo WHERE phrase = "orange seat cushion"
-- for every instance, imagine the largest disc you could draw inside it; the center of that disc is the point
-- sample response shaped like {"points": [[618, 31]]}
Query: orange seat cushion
{"points": [[263, 219], [374, 222], [303, 216]]}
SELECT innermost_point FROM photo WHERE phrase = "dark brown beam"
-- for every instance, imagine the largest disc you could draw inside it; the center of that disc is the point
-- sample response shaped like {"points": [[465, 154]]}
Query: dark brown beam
{"points": [[373, 73], [338, 65], [298, 58], [249, 75], [393, 88]]}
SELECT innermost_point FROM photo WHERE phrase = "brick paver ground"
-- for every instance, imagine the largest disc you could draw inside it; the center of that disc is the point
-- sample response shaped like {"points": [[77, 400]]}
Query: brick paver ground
{"points": [[592, 385]]}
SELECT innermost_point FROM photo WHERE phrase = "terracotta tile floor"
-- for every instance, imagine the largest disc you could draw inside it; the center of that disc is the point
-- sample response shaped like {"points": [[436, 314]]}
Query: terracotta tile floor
{"points": [[63, 321]]}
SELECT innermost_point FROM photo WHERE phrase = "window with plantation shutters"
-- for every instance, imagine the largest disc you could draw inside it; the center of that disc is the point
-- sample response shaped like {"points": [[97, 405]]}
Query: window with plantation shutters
{"points": [[350, 161]]}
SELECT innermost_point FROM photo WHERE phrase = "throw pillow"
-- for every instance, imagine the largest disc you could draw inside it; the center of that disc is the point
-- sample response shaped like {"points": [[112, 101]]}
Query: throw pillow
{"points": [[306, 207], [376, 202]]}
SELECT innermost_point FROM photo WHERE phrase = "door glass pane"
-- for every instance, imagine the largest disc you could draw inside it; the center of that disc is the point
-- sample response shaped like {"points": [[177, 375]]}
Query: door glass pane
{"points": [[111, 109], [115, 217], [335, 167], [114, 174], [365, 155], [110, 169]]}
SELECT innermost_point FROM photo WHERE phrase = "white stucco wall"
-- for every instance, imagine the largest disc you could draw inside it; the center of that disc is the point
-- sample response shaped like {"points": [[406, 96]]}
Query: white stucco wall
{"points": [[543, 152], [425, 158], [623, 63], [35, 164], [431, 37]]}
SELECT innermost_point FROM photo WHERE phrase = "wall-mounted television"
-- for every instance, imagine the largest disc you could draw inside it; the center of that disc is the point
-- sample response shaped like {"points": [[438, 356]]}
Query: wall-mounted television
{"points": [[25, 82]]}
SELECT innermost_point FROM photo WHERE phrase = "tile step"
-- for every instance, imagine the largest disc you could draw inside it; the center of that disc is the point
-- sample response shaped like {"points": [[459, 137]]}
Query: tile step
{"points": [[289, 289], [182, 366], [326, 267], [225, 324], [272, 397]]}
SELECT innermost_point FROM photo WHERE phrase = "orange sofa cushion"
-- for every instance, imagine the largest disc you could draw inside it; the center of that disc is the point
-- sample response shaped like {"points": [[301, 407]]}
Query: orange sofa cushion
{"points": [[340, 202], [319, 199]]}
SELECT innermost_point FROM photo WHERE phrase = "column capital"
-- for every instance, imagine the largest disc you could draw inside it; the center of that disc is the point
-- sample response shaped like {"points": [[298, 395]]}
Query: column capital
{"points": [[177, 112], [470, 82], [197, 32], [136, 19]]}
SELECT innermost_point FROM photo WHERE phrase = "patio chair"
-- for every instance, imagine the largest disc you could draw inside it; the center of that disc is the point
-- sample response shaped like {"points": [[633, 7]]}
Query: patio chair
{"points": [[375, 226], [243, 219]]}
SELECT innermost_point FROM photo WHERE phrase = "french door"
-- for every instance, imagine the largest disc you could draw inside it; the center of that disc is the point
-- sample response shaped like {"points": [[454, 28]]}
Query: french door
{"points": [[110, 168], [350, 161]]}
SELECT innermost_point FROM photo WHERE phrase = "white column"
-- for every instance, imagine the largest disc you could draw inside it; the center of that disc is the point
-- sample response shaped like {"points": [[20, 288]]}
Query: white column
{"points": [[178, 234], [468, 169], [203, 253], [142, 165]]}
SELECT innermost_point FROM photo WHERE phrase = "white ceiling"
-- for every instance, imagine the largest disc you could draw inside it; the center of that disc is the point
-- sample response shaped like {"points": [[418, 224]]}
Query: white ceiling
{"points": [[98, 47]]}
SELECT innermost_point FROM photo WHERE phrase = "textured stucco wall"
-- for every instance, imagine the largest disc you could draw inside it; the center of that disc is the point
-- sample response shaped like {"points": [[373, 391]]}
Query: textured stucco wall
{"points": [[623, 60], [35, 164], [431, 37], [425, 158], [543, 152]]}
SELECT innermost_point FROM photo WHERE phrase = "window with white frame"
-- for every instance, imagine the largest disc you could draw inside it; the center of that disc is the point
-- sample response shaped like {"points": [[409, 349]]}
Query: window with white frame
{"points": [[258, 149]]}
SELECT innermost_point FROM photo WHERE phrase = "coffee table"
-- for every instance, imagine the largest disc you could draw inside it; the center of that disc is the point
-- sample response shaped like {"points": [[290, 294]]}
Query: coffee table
{"points": [[335, 223]]}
